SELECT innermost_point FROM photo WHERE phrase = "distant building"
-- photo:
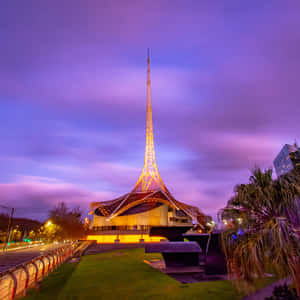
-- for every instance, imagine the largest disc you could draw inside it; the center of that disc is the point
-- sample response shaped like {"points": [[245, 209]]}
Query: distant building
{"points": [[287, 159]]}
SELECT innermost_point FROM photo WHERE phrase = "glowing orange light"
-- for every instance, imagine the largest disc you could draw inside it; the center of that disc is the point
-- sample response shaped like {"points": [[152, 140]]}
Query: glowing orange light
{"points": [[149, 177], [124, 238], [49, 223]]}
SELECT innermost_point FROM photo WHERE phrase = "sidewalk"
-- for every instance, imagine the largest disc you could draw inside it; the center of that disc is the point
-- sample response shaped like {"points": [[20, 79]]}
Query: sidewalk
{"points": [[268, 290]]}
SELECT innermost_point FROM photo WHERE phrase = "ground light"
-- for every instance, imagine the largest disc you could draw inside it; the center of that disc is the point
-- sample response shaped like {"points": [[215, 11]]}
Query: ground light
{"points": [[124, 238]]}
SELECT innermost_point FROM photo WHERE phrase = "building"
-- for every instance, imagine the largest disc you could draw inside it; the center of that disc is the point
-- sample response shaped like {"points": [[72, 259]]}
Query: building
{"points": [[150, 204], [287, 159]]}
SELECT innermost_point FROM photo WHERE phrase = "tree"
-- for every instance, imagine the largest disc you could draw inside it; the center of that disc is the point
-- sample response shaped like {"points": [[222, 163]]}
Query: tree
{"points": [[21, 227], [68, 222], [265, 214], [209, 224]]}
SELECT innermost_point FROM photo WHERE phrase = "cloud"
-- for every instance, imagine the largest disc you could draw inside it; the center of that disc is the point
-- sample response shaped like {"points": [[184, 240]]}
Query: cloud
{"points": [[72, 96], [34, 196]]}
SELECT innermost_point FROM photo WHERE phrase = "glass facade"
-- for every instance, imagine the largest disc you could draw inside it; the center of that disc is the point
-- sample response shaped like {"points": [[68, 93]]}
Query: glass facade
{"points": [[287, 159]]}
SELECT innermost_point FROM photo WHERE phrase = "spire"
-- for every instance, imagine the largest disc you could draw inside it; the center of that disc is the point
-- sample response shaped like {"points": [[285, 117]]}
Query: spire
{"points": [[150, 183], [149, 179]]}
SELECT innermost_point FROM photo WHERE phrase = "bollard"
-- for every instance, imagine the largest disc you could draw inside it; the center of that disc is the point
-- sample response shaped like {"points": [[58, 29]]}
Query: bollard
{"points": [[24, 267], [13, 293], [32, 271], [7, 286], [50, 262], [21, 278]]}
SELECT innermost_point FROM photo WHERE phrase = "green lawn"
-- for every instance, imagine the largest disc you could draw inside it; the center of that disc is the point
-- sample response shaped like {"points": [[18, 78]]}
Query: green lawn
{"points": [[123, 275], [53, 284]]}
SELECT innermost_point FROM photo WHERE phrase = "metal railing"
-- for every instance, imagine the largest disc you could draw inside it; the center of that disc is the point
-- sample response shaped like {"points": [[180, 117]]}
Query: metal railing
{"points": [[82, 247], [15, 282]]}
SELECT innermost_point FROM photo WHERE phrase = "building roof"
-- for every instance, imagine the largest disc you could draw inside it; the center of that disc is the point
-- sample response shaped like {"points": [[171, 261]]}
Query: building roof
{"points": [[121, 205], [173, 247]]}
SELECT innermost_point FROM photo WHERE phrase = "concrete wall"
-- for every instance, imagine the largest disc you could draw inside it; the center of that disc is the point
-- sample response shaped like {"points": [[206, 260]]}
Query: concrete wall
{"points": [[154, 217], [159, 216]]}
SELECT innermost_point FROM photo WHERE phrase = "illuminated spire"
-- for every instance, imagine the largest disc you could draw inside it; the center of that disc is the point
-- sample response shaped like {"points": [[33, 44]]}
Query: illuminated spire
{"points": [[149, 184], [149, 179]]}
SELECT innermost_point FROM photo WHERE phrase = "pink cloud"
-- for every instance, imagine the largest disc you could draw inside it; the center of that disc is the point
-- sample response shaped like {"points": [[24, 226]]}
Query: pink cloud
{"points": [[34, 196]]}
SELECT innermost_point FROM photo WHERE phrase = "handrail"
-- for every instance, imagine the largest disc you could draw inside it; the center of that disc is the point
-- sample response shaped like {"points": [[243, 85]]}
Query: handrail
{"points": [[8, 292]]}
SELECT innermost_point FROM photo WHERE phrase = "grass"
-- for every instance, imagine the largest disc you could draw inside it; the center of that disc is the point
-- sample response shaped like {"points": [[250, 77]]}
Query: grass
{"points": [[123, 275], [53, 284]]}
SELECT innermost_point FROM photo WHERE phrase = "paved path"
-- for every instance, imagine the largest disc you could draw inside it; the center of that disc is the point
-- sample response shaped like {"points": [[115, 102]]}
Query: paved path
{"points": [[11, 259], [268, 290], [99, 248]]}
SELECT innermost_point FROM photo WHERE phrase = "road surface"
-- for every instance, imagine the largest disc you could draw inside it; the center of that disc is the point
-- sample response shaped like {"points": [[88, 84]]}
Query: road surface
{"points": [[11, 259]]}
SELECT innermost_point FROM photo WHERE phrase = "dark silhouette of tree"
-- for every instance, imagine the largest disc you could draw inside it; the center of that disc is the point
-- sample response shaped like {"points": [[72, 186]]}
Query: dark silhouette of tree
{"points": [[265, 214], [23, 225], [68, 222]]}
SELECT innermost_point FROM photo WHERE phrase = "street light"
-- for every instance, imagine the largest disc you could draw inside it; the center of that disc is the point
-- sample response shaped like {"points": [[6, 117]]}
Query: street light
{"points": [[49, 223]]}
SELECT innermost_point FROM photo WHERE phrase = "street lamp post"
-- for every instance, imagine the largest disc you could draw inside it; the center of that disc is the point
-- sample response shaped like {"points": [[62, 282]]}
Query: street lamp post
{"points": [[9, 227]]}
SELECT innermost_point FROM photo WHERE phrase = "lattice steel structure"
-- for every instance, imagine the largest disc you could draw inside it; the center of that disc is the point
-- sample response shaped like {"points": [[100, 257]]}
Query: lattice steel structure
{"points": [[149, 191], [149, 179]]}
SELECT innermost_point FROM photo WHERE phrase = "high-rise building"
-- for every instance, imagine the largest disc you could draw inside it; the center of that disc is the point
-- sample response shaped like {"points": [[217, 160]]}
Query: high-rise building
{"points": [[150, 204], [287, 159]]}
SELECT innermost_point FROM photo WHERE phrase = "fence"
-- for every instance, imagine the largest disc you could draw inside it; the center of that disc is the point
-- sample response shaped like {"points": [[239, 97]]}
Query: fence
{"points": [[15, 282]]}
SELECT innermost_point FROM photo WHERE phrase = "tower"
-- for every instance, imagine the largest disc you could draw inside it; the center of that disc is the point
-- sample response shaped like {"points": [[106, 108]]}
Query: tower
{"points": [[149, 179], [149, 203]]}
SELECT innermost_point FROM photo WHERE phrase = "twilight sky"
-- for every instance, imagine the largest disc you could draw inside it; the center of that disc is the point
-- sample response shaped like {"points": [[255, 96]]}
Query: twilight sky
{"points": [[225, 92]]}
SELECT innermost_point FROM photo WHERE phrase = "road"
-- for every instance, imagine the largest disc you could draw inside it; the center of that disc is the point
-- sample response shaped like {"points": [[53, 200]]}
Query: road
{"points": [[11, 259]]}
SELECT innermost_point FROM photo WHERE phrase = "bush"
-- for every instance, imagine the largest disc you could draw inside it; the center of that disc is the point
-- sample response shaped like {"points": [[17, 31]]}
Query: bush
{"points": [[282, 292]]}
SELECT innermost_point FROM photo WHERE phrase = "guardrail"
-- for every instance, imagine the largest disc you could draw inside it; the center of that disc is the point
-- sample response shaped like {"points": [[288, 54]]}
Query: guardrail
{"points": [[15, 282], [83, 246]]}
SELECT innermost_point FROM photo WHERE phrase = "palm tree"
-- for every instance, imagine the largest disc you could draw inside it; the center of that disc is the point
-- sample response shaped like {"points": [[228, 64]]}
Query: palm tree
{"points": [[265, 215]]}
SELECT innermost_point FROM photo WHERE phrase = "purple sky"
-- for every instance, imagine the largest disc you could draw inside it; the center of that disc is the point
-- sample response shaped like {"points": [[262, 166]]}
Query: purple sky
{"points": [[225, 92]]}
